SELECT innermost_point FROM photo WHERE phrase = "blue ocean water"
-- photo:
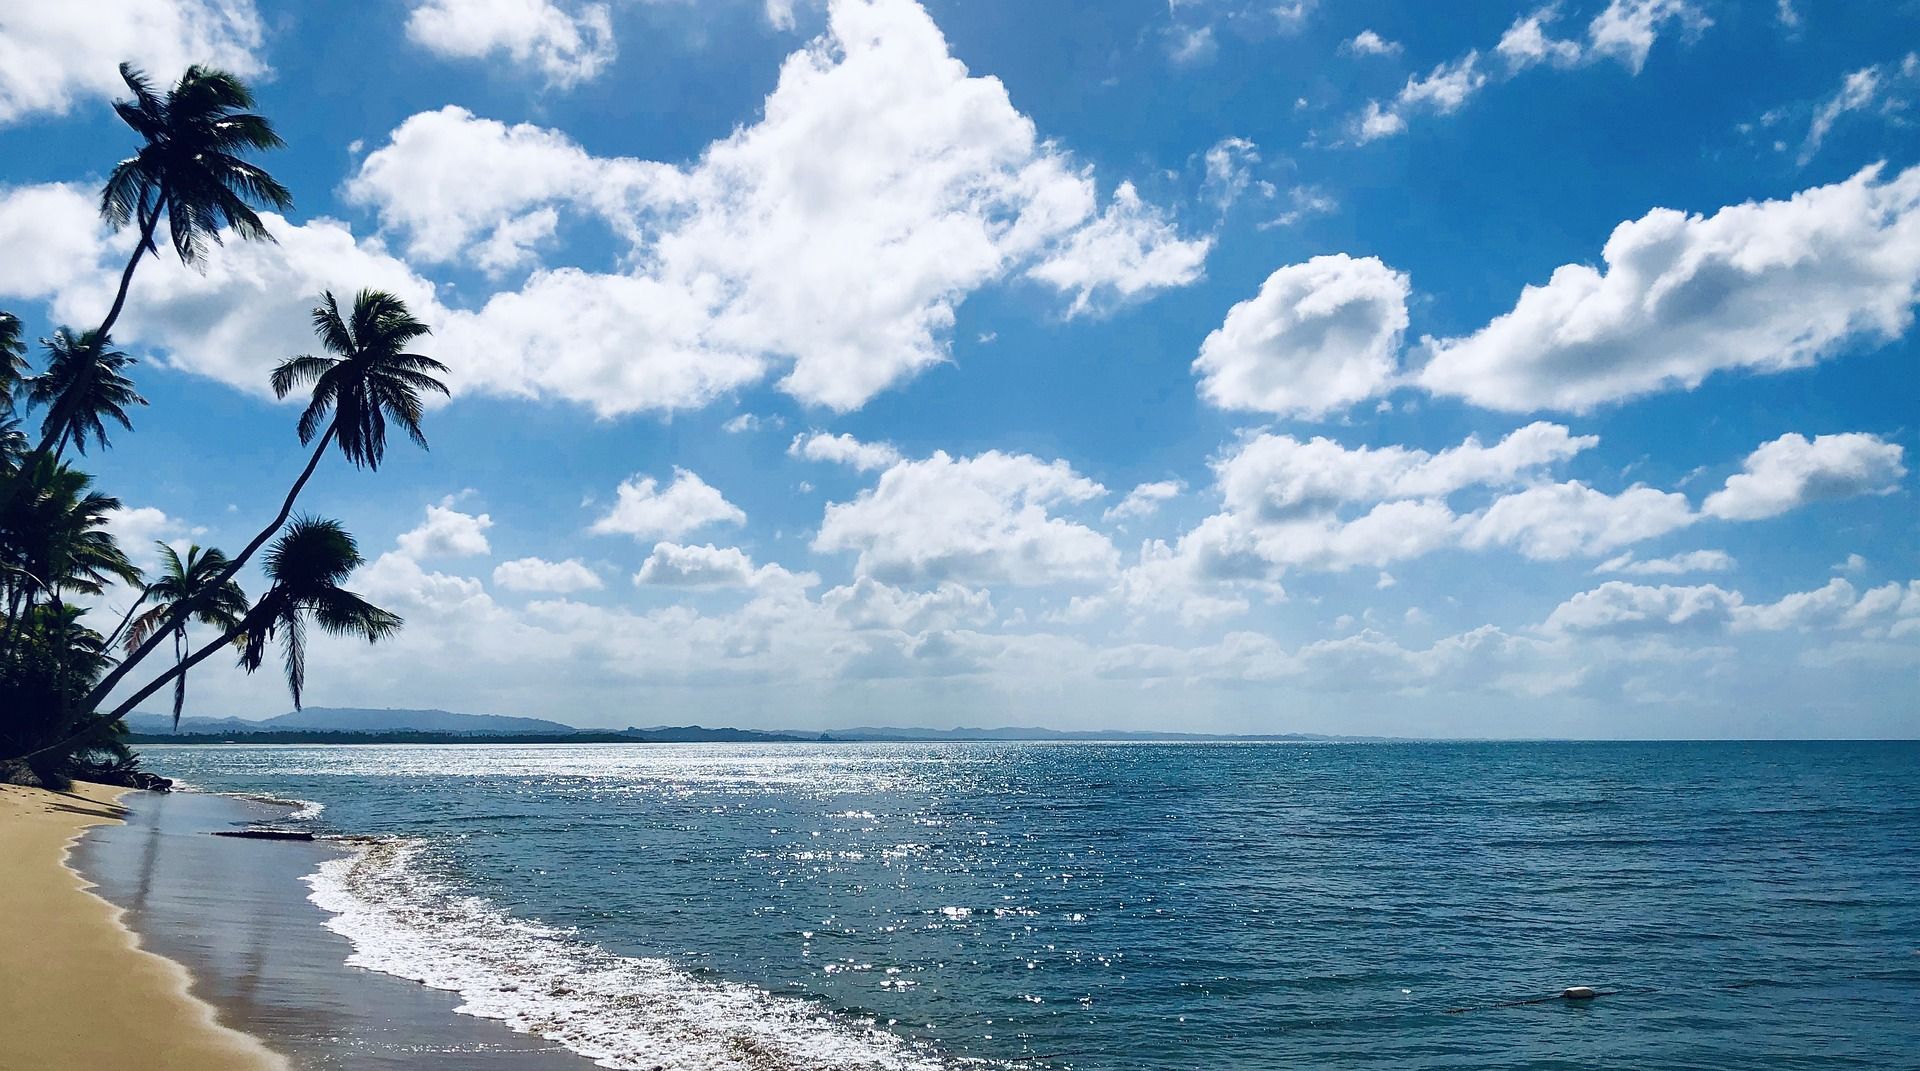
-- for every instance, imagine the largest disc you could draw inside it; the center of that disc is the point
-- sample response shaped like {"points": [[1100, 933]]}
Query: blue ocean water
{"points": [[1130, 906]]}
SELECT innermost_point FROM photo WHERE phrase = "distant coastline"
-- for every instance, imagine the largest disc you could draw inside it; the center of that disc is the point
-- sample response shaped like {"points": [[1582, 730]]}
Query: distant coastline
{"points": [[322, 725]]}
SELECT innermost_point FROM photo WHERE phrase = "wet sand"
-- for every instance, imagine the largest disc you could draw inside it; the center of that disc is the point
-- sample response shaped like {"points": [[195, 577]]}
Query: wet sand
{"points": [[78, 990], [236, 914]]}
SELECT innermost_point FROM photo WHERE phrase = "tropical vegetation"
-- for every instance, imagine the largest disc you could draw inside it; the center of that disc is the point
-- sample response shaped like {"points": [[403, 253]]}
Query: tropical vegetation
{"points": [[82, 620]]}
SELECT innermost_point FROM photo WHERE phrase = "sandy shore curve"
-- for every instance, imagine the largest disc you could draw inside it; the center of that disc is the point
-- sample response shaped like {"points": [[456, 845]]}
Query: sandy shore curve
{"points": [[77, 988]]}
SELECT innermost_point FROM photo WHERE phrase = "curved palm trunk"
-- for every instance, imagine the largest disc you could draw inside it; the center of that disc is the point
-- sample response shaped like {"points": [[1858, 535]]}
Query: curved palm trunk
{"points": [[180, 682], [148, 225], [113, 678], [178, 671]]}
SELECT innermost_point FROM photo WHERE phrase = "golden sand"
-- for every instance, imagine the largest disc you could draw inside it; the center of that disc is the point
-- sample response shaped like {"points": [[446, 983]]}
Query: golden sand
{"points": [[76, 990]]}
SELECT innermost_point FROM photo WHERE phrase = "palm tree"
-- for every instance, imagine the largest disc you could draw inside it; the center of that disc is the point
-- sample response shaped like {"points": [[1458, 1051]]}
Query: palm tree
{"points": [[369, 380], [13, 359], [305, 568], [189, 168], [82, 384], [187, 586]]}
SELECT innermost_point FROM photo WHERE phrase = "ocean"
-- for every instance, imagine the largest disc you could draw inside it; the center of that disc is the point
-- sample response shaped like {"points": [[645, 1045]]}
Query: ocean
{"points": [[1116, 907]]}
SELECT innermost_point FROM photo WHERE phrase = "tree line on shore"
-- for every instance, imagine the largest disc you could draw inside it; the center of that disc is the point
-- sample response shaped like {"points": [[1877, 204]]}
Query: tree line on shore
{"points": [[68, 662]]}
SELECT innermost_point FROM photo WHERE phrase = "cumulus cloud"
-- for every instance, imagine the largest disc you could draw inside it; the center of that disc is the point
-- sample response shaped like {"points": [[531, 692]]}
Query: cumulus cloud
{"points": [[976, 520], [1318, 337], [869, 604], [1764, 286], [565, 46], [1565, 520], [54, 55], [1620, 608], [1791, 471], [788, 245], [1144, 500], [244, 310], [1369, 43], [1441, 91], [843, 449], [1277, 476], [1693, 561], [138, 528], [708, 566], [644, 510], [540, 575], [447, 533]]}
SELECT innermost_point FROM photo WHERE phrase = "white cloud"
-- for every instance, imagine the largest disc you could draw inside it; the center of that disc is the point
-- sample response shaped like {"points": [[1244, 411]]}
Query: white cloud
{"points": [[1620, 608], [1624, 31], [1130, 250], [869, 604], [1765, 287], [1144, 500], [1229, 170], [564, 46], [834, 237], [843, 449], [1822, 607], [982, 519], [1442, 91], [1571, 519], [643, 510], [1527, 42], [1791, 471], [54, 55], [1857, 91], [447, 533], [1318, 337], [1369, 43], [746, 422], [1693, 561], [450, 180], [1278, 476], [1852, 563], [136, 529], [674, 565], [244, 310], [538, 574]]}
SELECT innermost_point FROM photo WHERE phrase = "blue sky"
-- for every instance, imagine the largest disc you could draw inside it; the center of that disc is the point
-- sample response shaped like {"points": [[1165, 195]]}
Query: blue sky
{"points": [[1473, 369]]}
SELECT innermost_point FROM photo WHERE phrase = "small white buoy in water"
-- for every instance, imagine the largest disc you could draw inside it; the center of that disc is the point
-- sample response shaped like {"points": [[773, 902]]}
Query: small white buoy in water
{"points": [[1578, 992]]}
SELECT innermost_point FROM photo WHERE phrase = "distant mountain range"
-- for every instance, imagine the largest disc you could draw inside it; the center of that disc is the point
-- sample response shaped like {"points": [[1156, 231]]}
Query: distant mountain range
{"points": [[364, 725]]}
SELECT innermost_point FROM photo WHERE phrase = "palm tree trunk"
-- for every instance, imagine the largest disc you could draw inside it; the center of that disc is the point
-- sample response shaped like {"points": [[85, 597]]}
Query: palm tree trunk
{"points": [[148, 224], [113, 678], [125, 708], [180, 682]]}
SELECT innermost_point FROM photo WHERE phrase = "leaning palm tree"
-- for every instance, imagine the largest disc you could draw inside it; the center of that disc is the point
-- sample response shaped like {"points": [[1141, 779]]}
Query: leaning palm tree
{"points": [[82, 388], [189, 168], [305, 568], [185, 591], [367, 380]]}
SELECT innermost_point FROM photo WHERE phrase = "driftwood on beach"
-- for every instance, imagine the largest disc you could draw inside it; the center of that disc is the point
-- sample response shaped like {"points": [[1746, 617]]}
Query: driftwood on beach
{"points": [[265, 834]]}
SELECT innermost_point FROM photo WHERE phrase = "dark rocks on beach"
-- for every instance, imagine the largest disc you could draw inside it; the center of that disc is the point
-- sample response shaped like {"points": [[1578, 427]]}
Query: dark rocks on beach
{"points": [[265, 834], [17, 772], [134, 779]]}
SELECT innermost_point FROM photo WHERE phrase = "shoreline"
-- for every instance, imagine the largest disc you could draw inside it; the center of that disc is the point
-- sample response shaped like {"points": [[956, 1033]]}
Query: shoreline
{"points": [[238, 916], [81, 987]]}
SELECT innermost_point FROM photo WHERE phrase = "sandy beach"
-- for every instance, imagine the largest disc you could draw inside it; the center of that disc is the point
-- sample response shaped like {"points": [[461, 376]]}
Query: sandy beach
{"points": [[78, 989]]}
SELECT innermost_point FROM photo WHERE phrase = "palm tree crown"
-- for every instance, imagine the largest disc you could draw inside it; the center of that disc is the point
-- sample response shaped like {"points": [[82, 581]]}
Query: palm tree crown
{"points": [[189, 166], [82, 384], [307, 565], [55, 535], [368, 380], [188, 589]]}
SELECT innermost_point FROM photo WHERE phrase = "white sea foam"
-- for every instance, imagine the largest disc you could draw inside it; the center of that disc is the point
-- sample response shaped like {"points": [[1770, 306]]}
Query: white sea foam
{"points": [[621, 1011], [302, 809]]}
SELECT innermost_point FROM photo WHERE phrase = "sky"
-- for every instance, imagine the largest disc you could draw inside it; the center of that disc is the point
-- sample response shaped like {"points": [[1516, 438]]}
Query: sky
{"points": [[1478, 369]]}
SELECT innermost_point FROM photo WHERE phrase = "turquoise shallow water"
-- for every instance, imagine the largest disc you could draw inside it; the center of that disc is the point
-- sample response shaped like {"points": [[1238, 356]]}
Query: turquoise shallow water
{"points": [[1756, 905]]}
